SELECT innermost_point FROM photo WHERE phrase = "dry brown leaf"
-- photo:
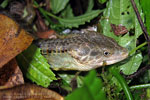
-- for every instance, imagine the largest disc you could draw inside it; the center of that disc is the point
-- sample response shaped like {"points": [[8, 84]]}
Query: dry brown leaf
{"points": [[47, 34], [13, 39], [119, 29], [10, 75], [29, 92]]}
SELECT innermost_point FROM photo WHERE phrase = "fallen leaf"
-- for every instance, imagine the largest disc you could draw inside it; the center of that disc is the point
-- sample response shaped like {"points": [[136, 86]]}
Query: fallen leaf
{"points": [[119, 29], [10, 75], [51, 34], [29, 92], [13, 39]]}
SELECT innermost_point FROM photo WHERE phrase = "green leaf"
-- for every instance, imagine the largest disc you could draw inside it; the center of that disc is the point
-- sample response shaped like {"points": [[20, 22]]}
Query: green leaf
{"points": [[102, 1], [127, 41], [135, 60], [67, 80], [148, 93], [131, 66], [67, 12], [58, 5], [115, 72], [121, 12], [145, 6], [35, 66], [90, 6], [68, 77], [74, 21], [91, 90], [4, 3], [79, 20]]}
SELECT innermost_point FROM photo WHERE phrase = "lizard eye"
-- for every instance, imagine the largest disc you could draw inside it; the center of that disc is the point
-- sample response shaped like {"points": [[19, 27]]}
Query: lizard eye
{"points": [[106, 53]]}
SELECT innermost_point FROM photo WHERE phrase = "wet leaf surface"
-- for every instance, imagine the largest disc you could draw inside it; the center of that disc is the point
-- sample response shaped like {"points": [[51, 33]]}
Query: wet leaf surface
{"points": [[13, 39], [35, 66]]}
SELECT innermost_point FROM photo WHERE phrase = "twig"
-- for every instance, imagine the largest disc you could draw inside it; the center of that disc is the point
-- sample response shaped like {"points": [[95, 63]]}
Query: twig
{"points": [[141, 24]]}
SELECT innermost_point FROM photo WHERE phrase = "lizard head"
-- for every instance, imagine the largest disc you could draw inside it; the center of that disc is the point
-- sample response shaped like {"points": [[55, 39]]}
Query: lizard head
{"points": [[98, 50]]}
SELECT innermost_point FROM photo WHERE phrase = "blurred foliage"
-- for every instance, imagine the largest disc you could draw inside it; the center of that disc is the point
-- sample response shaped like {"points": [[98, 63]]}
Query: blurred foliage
{"points": [[4, 3], [102, 1], [91, 90]]}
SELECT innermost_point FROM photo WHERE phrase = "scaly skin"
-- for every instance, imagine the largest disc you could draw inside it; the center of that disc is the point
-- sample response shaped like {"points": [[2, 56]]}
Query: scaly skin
{"points": [[81, 51]]}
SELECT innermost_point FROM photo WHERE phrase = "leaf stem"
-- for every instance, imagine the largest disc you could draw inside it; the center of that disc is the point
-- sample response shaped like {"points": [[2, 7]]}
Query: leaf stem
{"points": [[140, 86], [138, 73], [45, 13], [140, 19], [122, 82], [48, 13], [138, 47]]}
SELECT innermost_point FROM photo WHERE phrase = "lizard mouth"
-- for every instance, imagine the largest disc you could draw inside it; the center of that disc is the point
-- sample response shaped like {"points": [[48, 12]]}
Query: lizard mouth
{"points": [[123, 56]]}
